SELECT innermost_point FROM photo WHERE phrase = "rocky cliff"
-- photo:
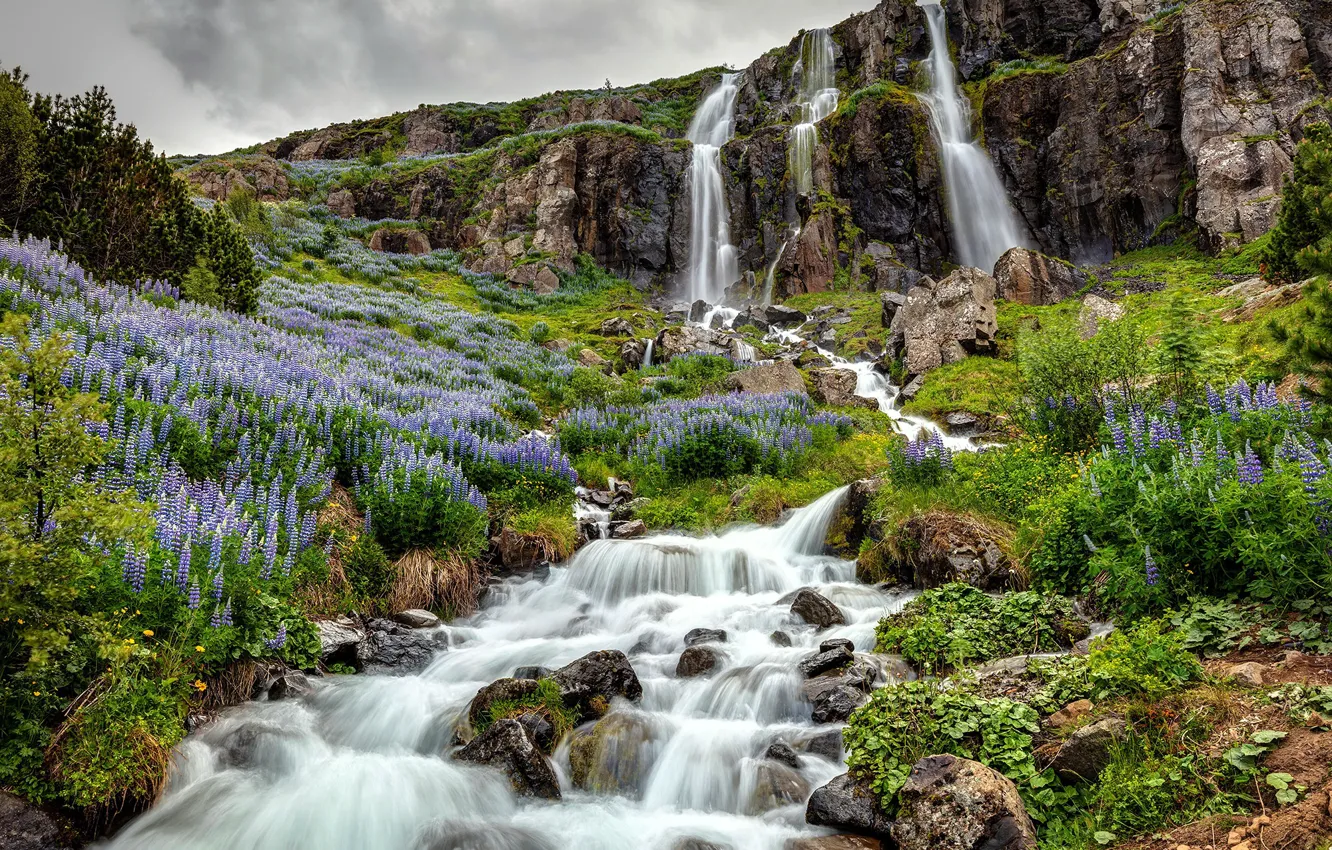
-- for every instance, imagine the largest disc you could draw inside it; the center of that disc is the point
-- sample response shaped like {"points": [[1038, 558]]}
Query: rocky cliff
{"points": [[1113, 123]]}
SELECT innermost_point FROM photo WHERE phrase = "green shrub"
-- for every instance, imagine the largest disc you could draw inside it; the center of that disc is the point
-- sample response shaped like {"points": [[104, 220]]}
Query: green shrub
{"points": [[958, 625], [1146, 660], [200, 285], [423, 512], [901, 725], [1301, 243], [368, 569], [546, 701], [539, 333]]}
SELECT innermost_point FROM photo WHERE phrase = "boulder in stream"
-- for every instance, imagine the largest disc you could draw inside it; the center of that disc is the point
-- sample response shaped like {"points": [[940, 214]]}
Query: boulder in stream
{"points": [[395, 649], [418, 619], [502, 691], [780, 751], [338, 640], [292, 684], [836, 704], [470, 836], [591, 682], [26, 827], [507, 745], [817, 610], [696, 661], [833, 659], [701, 636], [837, 387], [776, 785], [951, 803], [613, 756], [848, 804]]}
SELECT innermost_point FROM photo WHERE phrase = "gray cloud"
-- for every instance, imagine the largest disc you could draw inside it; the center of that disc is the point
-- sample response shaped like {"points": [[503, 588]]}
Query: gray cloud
{"points": [[211, 74]]}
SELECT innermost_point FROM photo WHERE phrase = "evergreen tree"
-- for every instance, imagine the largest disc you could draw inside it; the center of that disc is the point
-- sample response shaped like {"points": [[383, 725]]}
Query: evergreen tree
{"points": [[18, 150], [1302, 239], [230, 259]]}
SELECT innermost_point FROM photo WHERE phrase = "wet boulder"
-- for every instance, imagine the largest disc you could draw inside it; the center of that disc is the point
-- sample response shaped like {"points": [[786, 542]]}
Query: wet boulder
{"points": [[613, 756], [780, 638], [780, 314], [531, 672], [292, 684], [848, 804], [1087, 752], [508, 746], [837, 704], [834, 658], [781, 752], [394, 649], [696, 661], [502, 691], [817, 610], [950, 803], [700, 636], [26, 827], [833, 643], [835, 842], [591, 682], [826, 745], [776, 785]]}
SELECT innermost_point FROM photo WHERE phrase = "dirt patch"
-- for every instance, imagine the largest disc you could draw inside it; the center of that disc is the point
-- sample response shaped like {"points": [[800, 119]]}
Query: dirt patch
{"points": [[1280, 666]]}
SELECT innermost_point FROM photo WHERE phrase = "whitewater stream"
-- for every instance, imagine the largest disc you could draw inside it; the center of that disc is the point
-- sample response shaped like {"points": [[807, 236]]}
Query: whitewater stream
{"points": [[363, 763]]}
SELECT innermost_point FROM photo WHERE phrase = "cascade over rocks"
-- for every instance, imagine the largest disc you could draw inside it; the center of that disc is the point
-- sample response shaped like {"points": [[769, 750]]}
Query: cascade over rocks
{"points": [[508, 746], [949, 803], [465, 836], [945, 322]]}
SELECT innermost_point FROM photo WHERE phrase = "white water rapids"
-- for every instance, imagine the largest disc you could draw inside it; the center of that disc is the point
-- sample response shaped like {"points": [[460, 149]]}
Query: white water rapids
{"points": [[816, 98], [363, 764], [984, 223], [713, 264]]}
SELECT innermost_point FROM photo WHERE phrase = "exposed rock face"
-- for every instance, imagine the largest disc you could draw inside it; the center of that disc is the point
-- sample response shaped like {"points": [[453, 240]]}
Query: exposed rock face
{"points": [[342, 203], [580, 110], [941, 548], [1036, 280], [412, 242], [592, 681], [817, 610], [338, 640], [850, 805], [837, 387], [508, 746], [1001, 30], [687, 339], [25, 827], [781, 377], [260, 176], [950, 803], [945, 322]]}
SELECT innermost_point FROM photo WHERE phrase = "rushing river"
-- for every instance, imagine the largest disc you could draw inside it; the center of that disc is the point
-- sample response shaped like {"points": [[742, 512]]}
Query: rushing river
{"points": [[364, 763]]}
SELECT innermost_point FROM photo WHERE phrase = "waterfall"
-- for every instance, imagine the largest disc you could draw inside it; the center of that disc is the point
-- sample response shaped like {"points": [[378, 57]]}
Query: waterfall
{"points": [[984, 223], [364, 763], [770, 279], [648, 349], [817, 98], [712, 261]]}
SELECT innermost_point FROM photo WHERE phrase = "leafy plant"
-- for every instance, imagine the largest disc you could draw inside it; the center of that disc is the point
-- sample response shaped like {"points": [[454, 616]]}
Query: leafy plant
{"points": [[1215, 627], [957, 625], [1145, 660]]}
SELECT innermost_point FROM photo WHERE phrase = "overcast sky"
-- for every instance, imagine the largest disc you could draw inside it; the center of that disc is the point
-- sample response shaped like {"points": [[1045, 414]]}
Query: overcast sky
{"points": [[207, 76]]}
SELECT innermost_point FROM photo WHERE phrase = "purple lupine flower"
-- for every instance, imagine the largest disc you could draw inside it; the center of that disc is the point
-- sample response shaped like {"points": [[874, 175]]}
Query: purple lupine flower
{"points": [[1153, 574], [195, 597], [183, 566], [1120, 439], [217, 586], [1250, 467], [279, 640]]}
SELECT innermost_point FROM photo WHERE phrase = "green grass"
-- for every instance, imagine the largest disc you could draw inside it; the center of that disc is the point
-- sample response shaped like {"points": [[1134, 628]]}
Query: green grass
{"points": [[985, 386], [546, 701]]}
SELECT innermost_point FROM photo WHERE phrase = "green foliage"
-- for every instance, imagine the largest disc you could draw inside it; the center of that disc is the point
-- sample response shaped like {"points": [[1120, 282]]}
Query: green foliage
{"points": [[19, 133], [1180, 355], [51, 515], [420, 511], [539, 333], [1215, 627], [1065, 378], [368, 569], [958, 625], [231, 261], [546, 701], [902, 724], [1301, 242], [201, 285], [1146, 660], [1307, 337]]}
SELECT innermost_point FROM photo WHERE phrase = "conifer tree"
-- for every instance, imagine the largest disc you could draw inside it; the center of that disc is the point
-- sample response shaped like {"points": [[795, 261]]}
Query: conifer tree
{"points": [[231, 261], [1302, 239]]}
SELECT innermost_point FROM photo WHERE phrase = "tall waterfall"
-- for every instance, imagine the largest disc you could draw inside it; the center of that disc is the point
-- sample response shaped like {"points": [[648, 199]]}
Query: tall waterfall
{"points": [[984, 223], [817, 98], [712, 261]]}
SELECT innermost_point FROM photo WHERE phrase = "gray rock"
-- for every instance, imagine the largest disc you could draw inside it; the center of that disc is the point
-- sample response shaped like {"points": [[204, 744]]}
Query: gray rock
{"points": [[397, 650], [775, 786], [828, 745], [532, 673], [944, 322], [616, 327], [507, 745], [632, 354], [817, 610], [696, 661], [832, 659], [778, 314], [501, 691], [833, 643], [26, 827], [338, 640], [848, 804], [466, 836], [780, 638], [293, 684], [837, 387], [780, 751], [836, 705], [604, 676], [629, 530], [1097, 311], [780, 377], [418, 619], [835, 842], [698, 636], [1087, 752], [949, 803], [892, 302]]}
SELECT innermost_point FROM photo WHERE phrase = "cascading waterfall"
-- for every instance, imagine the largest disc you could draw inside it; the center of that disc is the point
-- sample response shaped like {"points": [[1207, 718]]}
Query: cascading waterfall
{"points": [[713, 264], [984, 223], [770, 279], [363, 764], [817, 99]]}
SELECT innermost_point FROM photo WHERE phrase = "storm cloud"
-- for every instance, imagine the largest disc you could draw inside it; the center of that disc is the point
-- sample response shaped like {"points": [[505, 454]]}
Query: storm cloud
{"points": [[210, 74]]}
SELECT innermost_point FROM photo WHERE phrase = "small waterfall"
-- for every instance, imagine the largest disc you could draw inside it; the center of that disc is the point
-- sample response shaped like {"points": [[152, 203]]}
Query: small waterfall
{"points": [[770, 279], [712, 262], [648, 349], [817, 98], [984, 223]]}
